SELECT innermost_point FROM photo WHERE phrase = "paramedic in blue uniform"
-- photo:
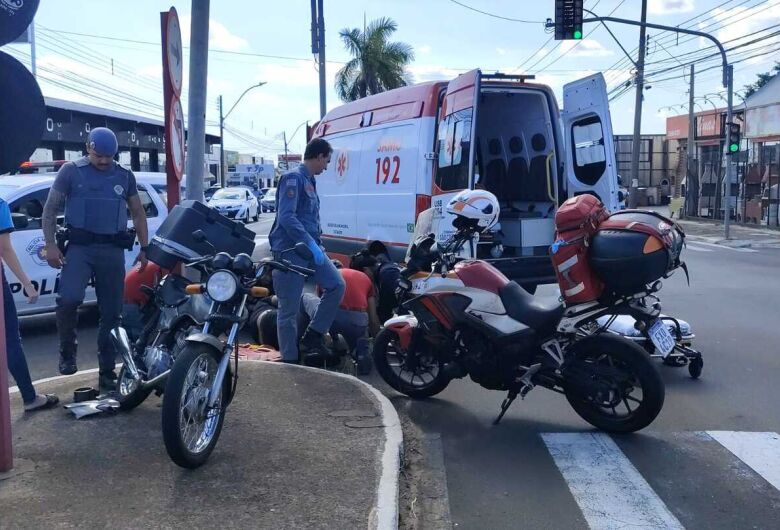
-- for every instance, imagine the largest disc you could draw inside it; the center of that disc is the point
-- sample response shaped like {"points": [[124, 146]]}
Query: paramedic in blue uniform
{"points": [[95, 193], [298, 221]]}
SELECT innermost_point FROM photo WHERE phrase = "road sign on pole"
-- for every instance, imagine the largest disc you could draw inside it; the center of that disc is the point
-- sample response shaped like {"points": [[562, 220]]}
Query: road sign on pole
{"points": [[568, 19], [172, 82], [174, 138], [174, 52]]}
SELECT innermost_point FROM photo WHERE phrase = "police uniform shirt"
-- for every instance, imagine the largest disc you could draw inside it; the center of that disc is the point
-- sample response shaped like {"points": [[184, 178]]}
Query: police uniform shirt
{"points": [[297, 211], [81, 173]]}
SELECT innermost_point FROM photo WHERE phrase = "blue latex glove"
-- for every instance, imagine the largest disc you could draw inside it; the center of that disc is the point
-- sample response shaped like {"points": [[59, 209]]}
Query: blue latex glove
{"points": [[317, 253]]}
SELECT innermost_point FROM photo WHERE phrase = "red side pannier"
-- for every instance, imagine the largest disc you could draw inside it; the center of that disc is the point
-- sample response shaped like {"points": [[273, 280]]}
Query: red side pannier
{"points": [[575, 223]]}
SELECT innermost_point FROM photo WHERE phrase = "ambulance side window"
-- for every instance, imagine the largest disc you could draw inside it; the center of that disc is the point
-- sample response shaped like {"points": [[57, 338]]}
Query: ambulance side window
{"points": [[590, 158], [32, 206], [454, 148]]}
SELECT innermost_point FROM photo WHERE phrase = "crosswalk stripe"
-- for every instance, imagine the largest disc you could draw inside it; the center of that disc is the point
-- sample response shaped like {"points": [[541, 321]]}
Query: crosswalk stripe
{"points": [[733, 249], [759, 450], [605, 484], [697, 249]]}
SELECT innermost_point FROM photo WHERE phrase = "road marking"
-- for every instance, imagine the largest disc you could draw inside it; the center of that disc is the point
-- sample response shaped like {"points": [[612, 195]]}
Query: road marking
{"points": [[607, 487], [759, 450], [697, 249], [724, 247]]}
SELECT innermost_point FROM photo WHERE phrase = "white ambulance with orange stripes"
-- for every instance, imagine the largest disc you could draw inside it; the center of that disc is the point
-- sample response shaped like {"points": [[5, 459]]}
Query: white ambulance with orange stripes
{"points": [[409, 149]]}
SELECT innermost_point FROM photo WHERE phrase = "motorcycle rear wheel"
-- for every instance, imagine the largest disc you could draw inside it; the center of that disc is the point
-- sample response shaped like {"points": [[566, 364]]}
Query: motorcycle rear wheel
{"points": [[129, 392], [184, 406], [618, 368], [426, 379]]}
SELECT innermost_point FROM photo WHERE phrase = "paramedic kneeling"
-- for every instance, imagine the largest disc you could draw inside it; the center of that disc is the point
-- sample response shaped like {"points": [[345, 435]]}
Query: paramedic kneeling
{"points": [[298, 220]]}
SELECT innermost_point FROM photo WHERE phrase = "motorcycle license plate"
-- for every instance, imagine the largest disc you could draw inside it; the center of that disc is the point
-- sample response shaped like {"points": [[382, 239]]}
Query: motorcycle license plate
{"points": [[662, 338]]}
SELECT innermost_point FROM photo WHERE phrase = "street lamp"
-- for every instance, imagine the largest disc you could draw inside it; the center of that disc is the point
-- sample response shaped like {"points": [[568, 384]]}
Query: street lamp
{"points": [[286, 142], [222, 167]]}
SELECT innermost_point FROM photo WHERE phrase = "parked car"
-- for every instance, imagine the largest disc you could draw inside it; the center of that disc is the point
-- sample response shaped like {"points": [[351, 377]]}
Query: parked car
{"points": [[26, 195], [236, 203], [268, 202], [209, 193]]}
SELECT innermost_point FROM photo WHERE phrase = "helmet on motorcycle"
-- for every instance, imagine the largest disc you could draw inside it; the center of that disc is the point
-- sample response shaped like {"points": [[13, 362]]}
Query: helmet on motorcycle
{"points": [[474, 209]]}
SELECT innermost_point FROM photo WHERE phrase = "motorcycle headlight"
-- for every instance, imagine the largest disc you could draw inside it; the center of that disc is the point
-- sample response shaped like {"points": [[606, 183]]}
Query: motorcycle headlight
{"points": [[222, 286]]}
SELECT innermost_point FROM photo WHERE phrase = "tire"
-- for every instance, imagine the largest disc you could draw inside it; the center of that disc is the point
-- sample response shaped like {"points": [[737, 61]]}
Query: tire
{"points": [[385, 343], [695, 367], [622, 357], [127, 396], [177, 389]]}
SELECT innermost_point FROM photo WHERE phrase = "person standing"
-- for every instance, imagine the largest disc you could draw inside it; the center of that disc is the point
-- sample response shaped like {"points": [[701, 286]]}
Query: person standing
{"points": [[298, 221], [95, 192], [17, 363]]}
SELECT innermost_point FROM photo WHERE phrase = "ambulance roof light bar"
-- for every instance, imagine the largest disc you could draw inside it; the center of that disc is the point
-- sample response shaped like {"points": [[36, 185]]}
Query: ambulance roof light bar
{"points": [[498, 76]]}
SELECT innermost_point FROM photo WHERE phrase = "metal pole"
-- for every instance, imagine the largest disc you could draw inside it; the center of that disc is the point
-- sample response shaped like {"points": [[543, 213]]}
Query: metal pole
{"points": [[729, 156], [222, 168], [321, 31], [33, 67], [6, 444], [690, 198], [640, 71], [286, 160], [196, 116]]}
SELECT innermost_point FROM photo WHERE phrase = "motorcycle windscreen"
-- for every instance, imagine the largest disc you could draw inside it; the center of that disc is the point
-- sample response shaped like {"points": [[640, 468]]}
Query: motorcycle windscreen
{"points": [[588, 140], [455, 153]]}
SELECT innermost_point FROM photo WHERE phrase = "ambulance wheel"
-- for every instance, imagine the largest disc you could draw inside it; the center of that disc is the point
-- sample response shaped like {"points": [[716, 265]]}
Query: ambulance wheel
{"points": [[695, 367]]}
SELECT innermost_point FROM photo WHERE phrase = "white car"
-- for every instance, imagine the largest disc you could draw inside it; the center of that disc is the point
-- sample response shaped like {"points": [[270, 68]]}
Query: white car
{"points": [[26, 195], [236, 203]]}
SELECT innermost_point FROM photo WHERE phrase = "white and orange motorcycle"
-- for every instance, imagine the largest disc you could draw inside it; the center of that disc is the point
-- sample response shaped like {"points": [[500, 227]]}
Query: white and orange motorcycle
{"points": [[461, 317]]}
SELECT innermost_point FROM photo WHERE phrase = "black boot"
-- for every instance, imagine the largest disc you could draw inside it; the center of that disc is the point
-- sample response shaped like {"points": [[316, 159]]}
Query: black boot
{"points": [[68, 363], [107, 381], [313, 347], [67, 321]]}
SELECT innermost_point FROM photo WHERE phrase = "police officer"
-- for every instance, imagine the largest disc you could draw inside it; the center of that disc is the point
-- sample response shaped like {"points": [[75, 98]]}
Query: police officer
{"points": [[95, 193], [298, 220]]}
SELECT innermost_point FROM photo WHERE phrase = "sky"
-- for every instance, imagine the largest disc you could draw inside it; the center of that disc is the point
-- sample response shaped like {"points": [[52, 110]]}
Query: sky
{"points": [[107, 53]]}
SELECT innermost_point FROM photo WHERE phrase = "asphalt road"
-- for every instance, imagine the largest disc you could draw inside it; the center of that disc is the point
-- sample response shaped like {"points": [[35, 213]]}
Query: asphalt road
{"points": [[671, 474]]}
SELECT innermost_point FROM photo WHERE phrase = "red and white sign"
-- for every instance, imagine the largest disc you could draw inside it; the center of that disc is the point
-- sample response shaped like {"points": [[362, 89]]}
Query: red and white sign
{"points": [[174, 137], [174, 52], [342, 165]]}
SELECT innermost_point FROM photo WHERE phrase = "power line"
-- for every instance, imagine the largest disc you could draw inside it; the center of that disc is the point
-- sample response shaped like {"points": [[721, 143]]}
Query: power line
{"points": [[461, 4]]}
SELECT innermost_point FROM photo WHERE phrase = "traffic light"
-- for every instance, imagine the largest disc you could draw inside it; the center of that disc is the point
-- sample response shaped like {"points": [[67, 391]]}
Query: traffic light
{"points": [[733, 138], [568, 19]]}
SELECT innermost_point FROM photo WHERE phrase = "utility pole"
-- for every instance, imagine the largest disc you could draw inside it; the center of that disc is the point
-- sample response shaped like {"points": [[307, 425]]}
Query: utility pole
{"points": [[690, 204], [286, 160], [318, 46], [196, 116], [729, 156], [640, 86], [222, 168], [33, 61]]}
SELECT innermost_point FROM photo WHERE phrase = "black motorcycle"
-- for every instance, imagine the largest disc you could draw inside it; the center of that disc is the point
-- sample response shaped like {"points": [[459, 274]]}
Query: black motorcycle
{"points": [[167, 319], [202, 383]]}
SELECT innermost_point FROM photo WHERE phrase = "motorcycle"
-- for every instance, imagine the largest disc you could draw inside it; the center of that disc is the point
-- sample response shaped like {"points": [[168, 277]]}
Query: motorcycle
{"points": [[202, 384], [464, 317], [168, 317]]}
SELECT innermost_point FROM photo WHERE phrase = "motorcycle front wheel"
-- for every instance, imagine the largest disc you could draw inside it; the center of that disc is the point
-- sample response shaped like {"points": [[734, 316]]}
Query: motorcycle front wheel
{"points": [[416, 374], [191, 429], [612, 384], [128, 390]]}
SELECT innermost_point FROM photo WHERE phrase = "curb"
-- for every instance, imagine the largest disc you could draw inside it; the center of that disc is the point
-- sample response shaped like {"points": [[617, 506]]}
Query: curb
{"points": [[384, 515]]}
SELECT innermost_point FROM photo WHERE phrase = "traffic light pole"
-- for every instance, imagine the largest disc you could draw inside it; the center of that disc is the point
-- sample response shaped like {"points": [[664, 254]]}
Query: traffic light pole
{"points": [[729, 156], [727, 83]]}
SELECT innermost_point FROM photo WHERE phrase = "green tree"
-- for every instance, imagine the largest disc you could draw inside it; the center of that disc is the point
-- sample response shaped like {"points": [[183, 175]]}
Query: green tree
{"points": [[376, 65], [763, 79]]}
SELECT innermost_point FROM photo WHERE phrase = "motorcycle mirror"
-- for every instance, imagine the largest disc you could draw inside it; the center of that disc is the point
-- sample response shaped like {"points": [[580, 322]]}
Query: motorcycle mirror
{"points": [[303, 251]]}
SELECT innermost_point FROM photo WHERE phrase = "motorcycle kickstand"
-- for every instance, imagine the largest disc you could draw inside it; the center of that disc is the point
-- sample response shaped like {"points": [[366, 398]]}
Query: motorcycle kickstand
{"points": [[506, 404]]}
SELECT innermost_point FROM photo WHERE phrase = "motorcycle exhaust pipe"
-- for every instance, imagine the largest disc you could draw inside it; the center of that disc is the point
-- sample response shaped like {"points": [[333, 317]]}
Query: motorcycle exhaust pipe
{"points": [[153, 382], [122, 344]]}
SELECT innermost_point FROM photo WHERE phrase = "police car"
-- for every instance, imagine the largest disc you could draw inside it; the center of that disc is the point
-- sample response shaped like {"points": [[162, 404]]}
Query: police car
{"points": [[26, 195]]}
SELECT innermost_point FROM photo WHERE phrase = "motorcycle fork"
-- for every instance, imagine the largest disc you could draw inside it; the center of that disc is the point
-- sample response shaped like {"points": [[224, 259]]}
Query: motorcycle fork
{"points": [[225, 360], [122, 343]]}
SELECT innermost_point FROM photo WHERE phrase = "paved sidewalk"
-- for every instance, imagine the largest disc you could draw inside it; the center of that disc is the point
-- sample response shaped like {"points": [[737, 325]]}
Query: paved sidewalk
{"points": [[300, 448]]}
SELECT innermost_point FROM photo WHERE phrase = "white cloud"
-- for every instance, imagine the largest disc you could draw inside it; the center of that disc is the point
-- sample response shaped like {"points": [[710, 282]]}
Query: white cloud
{"points": [[584, 48], [293, 74], [219, 36], [742, 24], [670, 7], [430, 72], [425, 49], [501, 51], [151, 70]]}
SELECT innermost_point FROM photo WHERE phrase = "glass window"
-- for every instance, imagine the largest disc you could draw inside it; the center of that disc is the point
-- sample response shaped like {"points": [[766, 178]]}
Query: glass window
{"points": [[162, 191], [590, 159], [454, 147], [31, 205], [147, 202]]}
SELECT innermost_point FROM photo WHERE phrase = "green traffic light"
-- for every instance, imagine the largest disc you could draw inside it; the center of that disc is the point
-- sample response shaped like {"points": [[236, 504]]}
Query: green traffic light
{"points": [[578, 34], [733, 148]]}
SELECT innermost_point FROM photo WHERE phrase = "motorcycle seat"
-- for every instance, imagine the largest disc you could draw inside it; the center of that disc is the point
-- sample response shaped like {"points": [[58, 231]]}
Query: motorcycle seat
{"points": [[538, 313]]}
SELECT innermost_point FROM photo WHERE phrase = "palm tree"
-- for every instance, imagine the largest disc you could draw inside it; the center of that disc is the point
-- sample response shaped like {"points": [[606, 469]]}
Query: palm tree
{"points": [[377, 65]]}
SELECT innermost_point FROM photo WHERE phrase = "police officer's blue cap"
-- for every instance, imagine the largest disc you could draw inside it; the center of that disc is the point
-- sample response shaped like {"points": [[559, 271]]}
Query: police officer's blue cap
{"points": [[103, 141]]}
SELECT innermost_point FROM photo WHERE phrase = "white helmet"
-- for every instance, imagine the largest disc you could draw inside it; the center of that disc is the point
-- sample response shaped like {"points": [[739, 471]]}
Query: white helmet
{"points": [[474, 209]]}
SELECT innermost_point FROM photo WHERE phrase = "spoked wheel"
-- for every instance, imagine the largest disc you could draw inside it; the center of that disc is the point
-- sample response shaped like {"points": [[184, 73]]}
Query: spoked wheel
{"points": [[416, 374], [190, 428], [612, 384], [128, 390]]}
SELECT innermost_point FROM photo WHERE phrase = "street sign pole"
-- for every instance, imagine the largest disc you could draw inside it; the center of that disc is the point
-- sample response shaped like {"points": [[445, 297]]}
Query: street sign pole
{"points": [[729, 156], [196, 115]]}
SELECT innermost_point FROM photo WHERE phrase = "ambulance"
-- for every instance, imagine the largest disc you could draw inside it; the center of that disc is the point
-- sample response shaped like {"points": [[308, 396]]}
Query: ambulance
{"points": [[404, 151]]}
